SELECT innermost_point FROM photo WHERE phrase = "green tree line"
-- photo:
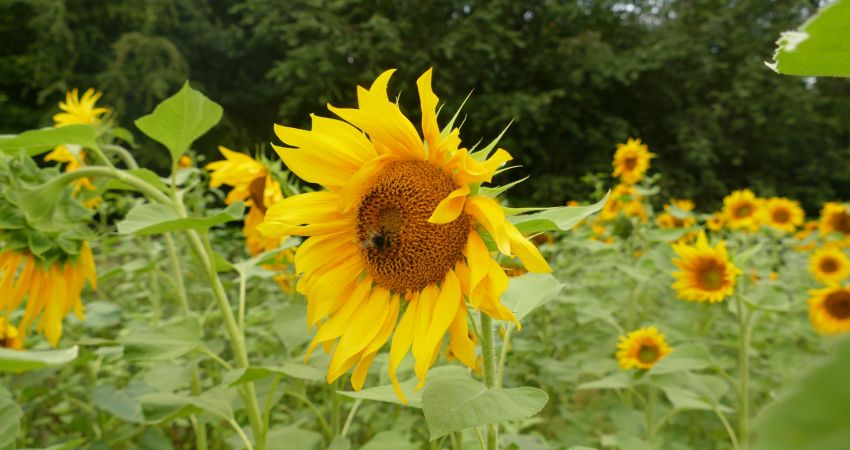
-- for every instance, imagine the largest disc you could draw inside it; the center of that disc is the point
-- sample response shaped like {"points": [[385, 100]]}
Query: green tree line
{"points": [[572, 78]]}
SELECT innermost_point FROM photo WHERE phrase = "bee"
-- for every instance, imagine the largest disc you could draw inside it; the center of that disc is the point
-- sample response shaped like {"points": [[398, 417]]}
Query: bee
{"points": [[376, 239]]}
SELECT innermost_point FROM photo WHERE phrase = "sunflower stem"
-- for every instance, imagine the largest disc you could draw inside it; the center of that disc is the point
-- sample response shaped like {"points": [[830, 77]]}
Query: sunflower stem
{"points": [[743, 372], [489, 354]]}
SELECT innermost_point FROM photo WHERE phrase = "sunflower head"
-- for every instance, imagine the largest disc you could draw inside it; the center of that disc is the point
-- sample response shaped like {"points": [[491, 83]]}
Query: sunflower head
{"points": [[741, 210], [76, 110], [10, 337], [829, 310], [705, 273], [642, 348], [835, 218], [829, 264], [631, 161], [238, 171], [677, 214], [782, 214], [395, 241], [715, 222], [185, 162], [623, 198]]}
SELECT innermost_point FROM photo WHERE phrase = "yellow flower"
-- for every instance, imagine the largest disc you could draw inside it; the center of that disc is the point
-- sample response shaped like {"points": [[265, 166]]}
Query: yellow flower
{"points": [[396, 226], [741, 210], [835, 218], [642, 348], [77, 111], [631, 161], [782, 214], [705, 273], [625, 199], [264, 193], [829, 265], [185, 162], [236, 170], [829, 310], [10, 337], [52, 291], [715, 222], [675, 219], [61, 154]]}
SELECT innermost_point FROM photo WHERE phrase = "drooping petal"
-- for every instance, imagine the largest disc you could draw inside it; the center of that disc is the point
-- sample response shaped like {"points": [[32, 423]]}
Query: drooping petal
{"points": [[450, 207], [339, 321], [360, 331], [525, 250], [307, 214], [402, 340], [491, 215], [462, 346], [443, 313]]}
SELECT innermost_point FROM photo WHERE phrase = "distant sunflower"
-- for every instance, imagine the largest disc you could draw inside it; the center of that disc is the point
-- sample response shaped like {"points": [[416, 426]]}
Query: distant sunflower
{"points": [[677, 214], [642, 348], [782, 214], [394, 239], [237, 170], [52, 290], [829, 265], [741, 210], [715, 222], [624, 199], [185, 162], [835, 218], [10, 337], [829, 310], [705, 273], [631, 161]]}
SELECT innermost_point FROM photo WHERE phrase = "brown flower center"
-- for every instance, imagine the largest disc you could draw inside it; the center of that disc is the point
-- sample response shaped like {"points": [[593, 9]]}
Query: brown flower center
{"points": [[648, 353], [781, 215], [257, 189], [711, 276], [743, 211], [837, 304], [841, 222], [402, 250], [828, 265], [630, 163]]}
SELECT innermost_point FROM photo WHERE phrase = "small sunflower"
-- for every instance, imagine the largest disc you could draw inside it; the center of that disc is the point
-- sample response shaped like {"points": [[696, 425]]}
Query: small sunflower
{"points": [[394, 241], [740, 209], [677, 214], [829, 265], [642, 348], [835, 218], [705, 273], [10, 337], [623, 198], [631, 161], [782, 214], [715, 222], [829, 310], [52, 290], [237, 170], [80, 111], [185, 162]]}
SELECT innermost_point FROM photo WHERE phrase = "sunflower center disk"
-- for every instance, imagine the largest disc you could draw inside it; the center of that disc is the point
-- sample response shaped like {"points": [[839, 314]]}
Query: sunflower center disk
{"points": [[828, 265], [838, 305], [647, 354], [402, 250], [781, 216], [630, 163], [711, 277], [841, 223]]}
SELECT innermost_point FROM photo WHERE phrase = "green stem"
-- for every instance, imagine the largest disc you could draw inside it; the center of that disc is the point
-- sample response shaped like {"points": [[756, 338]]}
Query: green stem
{"points": [[503, 355], [743, 373], [124, 154], [350, 417], [489, 354], [728, 426], [267, 407], [323, 423], [651, 395], [335, 407]]}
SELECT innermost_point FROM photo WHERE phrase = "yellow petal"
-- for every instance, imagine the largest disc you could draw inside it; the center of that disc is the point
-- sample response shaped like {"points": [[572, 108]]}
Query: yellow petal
{"points": [[525, 250], [307, 214], [339, 321], [429, 101], [491, 215], [329, 291], [444, 312], [478, 258], [361, 330], [402, 339], [353, 188], [317, 251], [450, 207], [462, 346]]}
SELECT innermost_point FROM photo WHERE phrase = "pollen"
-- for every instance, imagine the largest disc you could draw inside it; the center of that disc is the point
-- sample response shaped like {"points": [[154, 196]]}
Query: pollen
{"points": [[402, 250]]}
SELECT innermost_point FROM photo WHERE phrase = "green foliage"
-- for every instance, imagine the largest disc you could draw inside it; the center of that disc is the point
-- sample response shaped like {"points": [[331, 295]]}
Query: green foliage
{"points": [[153, 218], [16, 361], [36, 142], [820, 48]]}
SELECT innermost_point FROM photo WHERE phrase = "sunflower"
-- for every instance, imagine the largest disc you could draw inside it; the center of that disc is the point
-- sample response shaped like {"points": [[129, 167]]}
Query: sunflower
{"points": [[782, 214], [835, 218], [829, 309], [10, 337], [705, 273], [715, 222], [394, 241], [642, 348], [741, 210], [52, 289], [829, 265], [631, 161], [677, 214], [237, 170], [623, 198], [185, 162]]}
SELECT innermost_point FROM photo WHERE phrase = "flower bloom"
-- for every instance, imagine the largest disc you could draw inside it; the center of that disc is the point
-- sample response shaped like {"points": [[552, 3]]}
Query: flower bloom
{"points": [[705, 273], [829, 310], [642, 348], [631, 161]]}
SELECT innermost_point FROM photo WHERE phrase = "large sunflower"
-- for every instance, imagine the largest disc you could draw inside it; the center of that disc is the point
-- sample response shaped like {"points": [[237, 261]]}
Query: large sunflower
{"points": [[782, 214], [829, 265], [395, 237], [829, 309], [741, 210], [835, 218], [642, 348], [705, 273], [52, 289], [631, 161]]}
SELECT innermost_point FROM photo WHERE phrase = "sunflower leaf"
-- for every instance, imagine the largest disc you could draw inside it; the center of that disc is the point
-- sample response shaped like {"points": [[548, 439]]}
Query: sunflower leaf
{"points": [[529, 291], [10, 419], [180, 119], [15, 361], [36, 142], [820, 47], [556, 219], [164, 342], [154, 218]]}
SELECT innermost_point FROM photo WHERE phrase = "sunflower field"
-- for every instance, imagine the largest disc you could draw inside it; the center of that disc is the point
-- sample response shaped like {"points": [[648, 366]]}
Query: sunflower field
{"points": [[369, 281]]}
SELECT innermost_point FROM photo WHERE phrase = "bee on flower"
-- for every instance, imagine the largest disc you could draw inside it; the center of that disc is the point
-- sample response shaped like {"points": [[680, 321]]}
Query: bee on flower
{"points": [[642, 349]]}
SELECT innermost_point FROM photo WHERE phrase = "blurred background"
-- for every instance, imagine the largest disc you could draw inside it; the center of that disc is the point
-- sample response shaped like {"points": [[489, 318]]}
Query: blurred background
{"points": [[575, 77]]}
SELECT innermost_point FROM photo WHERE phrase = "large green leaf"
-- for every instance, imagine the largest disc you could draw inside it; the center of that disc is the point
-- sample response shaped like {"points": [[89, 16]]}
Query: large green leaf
{"points": [[16, 361], [180, 119], [685, 357], [385, 392], [812, 415], [155, 218], [164, 342], [290, 437], [455, 403], [556, 219], [10, 419], [35, 142], [821, 47], [118, 403], [294, 370], [527, 292], [160, 407]]}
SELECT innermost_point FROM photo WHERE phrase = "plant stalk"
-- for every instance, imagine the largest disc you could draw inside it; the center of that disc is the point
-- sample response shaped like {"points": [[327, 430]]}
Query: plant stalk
{"points": [[489, 354]]}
